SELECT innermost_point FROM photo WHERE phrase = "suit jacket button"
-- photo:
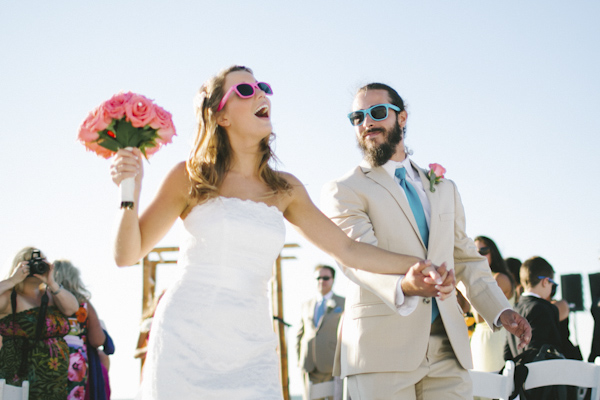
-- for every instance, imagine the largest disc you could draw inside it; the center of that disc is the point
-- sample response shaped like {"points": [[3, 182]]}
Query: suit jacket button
{"points": [[426, 300]]}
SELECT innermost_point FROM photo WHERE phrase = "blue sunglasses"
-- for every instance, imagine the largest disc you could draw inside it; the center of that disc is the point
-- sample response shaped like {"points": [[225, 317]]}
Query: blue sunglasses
{"points": [[378, 112]]}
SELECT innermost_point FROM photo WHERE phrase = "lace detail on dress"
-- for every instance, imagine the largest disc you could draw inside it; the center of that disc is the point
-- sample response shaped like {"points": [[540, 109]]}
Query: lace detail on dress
{"points": [[212, 335]]}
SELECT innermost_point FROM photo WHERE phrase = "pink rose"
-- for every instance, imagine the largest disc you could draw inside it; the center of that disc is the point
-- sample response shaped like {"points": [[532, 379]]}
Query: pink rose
{"points": [[115, 106], [438, 170], [163, 122], [139, 110], [78, 393], [99, 150], [86, 135], [77, 367], [97, 120]]}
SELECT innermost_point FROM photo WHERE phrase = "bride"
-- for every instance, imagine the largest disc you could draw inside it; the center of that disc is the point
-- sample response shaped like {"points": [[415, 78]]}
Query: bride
{"points": [[212, 334]]}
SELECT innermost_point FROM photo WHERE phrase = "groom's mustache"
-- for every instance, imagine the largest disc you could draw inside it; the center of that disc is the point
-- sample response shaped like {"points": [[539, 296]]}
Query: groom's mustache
{"points": [[373, 130]]}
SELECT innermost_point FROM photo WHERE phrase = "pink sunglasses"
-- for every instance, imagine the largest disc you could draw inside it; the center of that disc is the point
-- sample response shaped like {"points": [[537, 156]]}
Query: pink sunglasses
{"points": [[245, 91]]}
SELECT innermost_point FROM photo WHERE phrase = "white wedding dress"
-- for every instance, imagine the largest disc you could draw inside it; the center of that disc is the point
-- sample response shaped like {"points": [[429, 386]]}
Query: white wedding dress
{"points": [[212, 335]]}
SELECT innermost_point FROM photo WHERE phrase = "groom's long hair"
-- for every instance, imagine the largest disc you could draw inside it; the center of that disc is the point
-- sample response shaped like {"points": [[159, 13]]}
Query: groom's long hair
{"points": [[211, 155]]}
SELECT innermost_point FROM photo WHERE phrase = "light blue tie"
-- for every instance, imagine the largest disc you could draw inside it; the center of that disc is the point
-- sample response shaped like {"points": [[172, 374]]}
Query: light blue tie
{"points": [[419, 214], [319, 312]]}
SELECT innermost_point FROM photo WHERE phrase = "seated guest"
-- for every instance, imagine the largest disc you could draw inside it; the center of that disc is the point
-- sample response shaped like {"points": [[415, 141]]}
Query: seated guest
{"points": [[85, 330], [487, 346], [33, 323], [514, 266], [537, 278]]}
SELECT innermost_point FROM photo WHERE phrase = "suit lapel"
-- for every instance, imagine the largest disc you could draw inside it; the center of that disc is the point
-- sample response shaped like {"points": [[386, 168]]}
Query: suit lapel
{"points": [[434, 202], [311, 310], [380, 176]]}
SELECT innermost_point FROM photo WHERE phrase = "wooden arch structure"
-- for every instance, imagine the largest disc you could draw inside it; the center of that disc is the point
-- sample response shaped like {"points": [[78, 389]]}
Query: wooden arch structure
{"points": [[168, 255]]}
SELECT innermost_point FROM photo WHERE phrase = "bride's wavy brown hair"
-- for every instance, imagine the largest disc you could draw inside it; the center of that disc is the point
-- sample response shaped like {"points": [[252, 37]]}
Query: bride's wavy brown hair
{"points": [[211, 155]]}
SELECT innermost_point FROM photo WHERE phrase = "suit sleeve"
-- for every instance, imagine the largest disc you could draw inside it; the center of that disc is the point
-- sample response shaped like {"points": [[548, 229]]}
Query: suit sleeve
{"points": [[473, 270], [345, 208]]}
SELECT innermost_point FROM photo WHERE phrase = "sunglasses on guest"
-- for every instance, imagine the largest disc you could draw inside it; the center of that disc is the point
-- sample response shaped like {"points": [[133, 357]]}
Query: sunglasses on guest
{"points": [[325, 278], [245, 91], [378, 112], [549, 280], [554, 284], [484, 251]]}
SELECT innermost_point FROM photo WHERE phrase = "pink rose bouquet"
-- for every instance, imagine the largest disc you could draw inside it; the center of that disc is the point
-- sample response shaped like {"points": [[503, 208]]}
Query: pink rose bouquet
{"points": [[436, 172], [126, 120]]}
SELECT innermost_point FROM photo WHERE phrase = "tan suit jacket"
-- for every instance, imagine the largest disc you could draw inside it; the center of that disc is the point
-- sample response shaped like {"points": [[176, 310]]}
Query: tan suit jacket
{"points": [[371, 207], [315, 345]]}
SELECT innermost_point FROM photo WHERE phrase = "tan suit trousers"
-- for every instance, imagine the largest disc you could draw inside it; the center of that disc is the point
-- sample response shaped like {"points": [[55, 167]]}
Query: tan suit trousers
{"points": [[315, 377], [439, 376]]}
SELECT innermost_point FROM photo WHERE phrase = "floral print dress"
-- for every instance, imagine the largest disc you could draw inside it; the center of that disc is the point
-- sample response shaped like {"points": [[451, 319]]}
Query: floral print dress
{"points": [[46, 360], [78, 358]]}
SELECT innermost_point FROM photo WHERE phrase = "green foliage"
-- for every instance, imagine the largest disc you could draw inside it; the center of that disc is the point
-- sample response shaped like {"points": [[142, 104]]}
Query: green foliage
{"points": [[121, 134]]}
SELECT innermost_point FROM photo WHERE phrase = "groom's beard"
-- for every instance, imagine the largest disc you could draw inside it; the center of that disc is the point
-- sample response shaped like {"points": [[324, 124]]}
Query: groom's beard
{"points": [[379, 155]]}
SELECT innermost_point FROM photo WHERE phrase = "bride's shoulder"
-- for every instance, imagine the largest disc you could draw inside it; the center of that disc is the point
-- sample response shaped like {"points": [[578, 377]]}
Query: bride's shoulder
{"points": [[291, 179]]}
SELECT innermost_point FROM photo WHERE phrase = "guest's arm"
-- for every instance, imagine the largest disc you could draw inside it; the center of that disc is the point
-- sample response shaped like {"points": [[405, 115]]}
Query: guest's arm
{"points": [[96, 336], [62, 298]]}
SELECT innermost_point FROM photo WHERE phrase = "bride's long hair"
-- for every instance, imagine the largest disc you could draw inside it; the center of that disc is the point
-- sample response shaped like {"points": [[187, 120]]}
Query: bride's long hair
{"points": [[211, 155]]}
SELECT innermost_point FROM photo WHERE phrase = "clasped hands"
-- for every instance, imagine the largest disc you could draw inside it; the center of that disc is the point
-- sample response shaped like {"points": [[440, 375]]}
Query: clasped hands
{"points": [[426, 280]]}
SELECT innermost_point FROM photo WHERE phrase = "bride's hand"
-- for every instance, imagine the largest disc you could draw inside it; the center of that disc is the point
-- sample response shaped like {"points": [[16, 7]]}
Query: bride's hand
{"points": [[127, 163]]}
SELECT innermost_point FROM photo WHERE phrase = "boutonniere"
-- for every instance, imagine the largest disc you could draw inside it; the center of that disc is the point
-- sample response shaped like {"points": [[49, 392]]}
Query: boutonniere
{"points": [[436, 172], [330, 303]]}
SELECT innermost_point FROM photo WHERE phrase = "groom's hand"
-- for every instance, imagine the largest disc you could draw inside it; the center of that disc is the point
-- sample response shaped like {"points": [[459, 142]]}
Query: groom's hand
{"points": [[421, 280], [447, 287], [517, 325]]}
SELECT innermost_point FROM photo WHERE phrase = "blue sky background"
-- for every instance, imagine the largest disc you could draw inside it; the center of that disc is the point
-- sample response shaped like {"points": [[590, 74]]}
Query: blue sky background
{"points": [[503, 94]]}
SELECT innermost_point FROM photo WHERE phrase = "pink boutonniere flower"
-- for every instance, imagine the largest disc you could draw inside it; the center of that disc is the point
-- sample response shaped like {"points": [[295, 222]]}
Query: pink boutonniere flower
{"points": [[436, 172]]}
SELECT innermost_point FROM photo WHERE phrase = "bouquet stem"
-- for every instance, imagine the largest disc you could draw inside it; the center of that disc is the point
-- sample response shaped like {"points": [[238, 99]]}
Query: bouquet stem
{"points": [[127, 191]]}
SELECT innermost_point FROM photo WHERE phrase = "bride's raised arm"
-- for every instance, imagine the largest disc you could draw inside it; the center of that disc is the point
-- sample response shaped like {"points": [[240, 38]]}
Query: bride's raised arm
{"points": [[137, 235], [319, 230]]}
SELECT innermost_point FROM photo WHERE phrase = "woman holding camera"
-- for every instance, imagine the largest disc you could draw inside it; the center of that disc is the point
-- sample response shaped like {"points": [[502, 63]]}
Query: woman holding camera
{"points": [[33, 323]]}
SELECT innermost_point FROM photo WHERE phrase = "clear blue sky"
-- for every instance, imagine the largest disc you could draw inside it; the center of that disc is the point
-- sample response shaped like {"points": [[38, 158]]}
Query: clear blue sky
{"points": [[505, 95]]}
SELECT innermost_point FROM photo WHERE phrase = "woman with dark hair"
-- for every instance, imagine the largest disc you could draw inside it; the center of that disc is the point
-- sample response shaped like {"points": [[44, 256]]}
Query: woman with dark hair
{"points": [[212, 334], [487, 346], [514, 266], [33, 323]]}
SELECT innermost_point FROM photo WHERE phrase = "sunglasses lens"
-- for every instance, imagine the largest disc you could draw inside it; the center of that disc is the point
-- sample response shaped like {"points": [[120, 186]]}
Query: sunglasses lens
{"points": [[356, 118], [265, 87], [484, 251], [245, 90], [378, 113]]}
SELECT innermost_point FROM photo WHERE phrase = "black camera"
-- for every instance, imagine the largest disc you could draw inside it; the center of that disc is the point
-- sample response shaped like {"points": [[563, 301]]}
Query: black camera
{"points": [[37, 264]]}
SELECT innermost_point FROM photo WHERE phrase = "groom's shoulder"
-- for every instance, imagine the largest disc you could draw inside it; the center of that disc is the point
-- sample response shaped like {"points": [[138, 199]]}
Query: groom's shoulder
{"points": [[354, 175]]}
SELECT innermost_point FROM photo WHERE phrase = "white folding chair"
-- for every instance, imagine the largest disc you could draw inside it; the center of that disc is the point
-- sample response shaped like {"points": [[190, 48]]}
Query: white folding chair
{"points": [[493, 385], [564, 372], [336, 388], [9, 392]]}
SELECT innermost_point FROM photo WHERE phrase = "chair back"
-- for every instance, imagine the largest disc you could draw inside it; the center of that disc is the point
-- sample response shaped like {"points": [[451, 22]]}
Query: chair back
{"points": [[10, 392], [493, 385], [564, 372]]}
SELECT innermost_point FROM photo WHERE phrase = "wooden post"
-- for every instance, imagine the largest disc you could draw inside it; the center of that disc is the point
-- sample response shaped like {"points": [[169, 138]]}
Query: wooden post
{"points": [[149, 263], [278, 320]]}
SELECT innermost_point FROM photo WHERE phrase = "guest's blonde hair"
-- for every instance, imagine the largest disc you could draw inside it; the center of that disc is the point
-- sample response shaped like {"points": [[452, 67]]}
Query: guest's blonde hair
{"points": [[211, 155], [22, 255]]}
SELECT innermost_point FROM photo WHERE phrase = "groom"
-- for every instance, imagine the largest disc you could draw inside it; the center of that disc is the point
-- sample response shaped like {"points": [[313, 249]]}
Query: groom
{"points": [[396, 341]]}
